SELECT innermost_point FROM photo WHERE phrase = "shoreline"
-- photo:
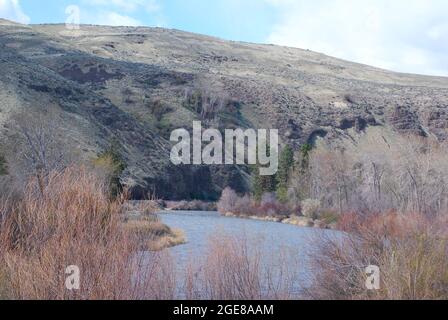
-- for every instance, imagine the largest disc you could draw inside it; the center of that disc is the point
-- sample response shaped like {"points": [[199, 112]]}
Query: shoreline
{"points": [[298, 221], [202, 206], [142, 220]]}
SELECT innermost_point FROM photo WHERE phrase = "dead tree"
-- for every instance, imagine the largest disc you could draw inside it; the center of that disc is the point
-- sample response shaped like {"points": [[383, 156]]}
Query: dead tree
{"points": [[39, 147]]}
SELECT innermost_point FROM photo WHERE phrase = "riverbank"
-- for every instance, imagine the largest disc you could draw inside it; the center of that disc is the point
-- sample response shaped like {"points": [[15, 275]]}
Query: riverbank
{"points": [[327, 222], [195, 205], [183, 205], [140, 219], [298, 221]]}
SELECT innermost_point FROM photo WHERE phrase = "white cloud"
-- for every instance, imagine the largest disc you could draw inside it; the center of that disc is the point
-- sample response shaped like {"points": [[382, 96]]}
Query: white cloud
{"points": [[114, 19], [119, 12], [401, 35], [128, 6], [11, 10]]}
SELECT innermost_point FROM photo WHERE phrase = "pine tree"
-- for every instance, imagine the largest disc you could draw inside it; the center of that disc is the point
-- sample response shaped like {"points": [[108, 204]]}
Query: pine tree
{"points": [[305, 151], [286, 165], [262, 184], [302, 172]]}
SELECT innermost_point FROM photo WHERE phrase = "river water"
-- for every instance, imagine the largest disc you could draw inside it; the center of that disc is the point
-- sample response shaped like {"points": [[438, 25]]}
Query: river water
{"points": [[273, 237]]}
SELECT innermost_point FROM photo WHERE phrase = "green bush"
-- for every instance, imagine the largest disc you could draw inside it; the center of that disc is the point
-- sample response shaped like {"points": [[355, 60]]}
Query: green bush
{"points": [[282, 194], [112, 160]]}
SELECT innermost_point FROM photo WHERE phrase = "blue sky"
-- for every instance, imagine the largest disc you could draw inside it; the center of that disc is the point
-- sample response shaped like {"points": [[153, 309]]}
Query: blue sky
{"points": [[245, 20], [401, 35]]}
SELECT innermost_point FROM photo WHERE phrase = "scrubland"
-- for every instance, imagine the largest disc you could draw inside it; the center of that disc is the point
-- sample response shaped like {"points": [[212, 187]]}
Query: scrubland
{"points": [[388, 200], [389, 197]]}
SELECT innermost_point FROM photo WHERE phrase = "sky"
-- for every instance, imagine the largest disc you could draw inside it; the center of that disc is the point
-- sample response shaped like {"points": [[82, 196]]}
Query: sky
{"points": [[401, 35]]}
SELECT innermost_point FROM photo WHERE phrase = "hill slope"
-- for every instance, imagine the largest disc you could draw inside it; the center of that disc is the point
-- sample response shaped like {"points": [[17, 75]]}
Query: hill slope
{"points": [[136, 85]]}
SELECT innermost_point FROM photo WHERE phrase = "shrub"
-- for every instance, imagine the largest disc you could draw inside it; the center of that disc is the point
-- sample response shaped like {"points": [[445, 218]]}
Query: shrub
{"points": [[329, 217], [410, 250], [244, 206], [74, 223], [247, 206], [227, 202], [234, 268], [310, 208], [112, 165], [270, 206], [282, 194], [158, 109]]}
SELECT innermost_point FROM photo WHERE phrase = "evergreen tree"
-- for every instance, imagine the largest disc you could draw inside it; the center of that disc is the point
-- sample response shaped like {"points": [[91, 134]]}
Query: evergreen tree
{"points": [[262, 184], [286, 165], [305, 151], [302, 172]]}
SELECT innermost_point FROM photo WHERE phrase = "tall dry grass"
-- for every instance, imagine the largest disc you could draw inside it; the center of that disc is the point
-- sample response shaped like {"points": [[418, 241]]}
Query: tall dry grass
{"points": [[234, 268], [410, 250], [74, 222]]}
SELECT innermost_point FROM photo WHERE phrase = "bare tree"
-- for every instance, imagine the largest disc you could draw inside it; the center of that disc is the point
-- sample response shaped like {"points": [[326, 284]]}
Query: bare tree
{"points": [[405, 174], [39, 147], [331, 178], [208, 101]]}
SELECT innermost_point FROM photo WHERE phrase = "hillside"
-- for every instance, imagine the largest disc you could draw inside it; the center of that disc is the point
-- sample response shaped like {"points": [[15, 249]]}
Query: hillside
{"points": [[135, 85]]}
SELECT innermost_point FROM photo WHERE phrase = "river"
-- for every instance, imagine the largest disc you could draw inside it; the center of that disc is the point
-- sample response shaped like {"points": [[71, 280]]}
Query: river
{"points": [[273, 237]]}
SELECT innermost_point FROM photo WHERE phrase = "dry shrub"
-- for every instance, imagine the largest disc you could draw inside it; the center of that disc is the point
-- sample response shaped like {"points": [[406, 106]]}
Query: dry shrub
{"points": [[147, 229], [410, 250], [230, 202], [244, 205], [381, 173], [149, 208], [227, 201], [310, 208], [74, 223], [146, 208], [154, 235], [175, 238], [270, 206], [234, 268], [194, 205], [271, 209]]}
